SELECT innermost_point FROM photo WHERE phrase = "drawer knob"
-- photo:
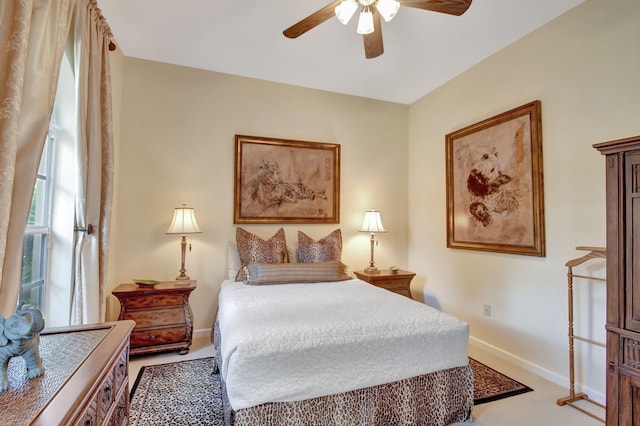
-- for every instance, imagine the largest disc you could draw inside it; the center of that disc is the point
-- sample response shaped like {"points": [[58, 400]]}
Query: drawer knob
{"points": [[155, 317], [153, 337], [154, 301]]}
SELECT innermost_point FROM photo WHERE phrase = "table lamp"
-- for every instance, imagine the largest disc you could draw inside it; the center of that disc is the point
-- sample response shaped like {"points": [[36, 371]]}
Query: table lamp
{"points": [[183, 223], [372, 223]]}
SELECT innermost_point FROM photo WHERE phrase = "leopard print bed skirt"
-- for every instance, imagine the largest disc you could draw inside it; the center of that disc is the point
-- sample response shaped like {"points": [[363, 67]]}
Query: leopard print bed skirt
{"points": [[438, 398]]}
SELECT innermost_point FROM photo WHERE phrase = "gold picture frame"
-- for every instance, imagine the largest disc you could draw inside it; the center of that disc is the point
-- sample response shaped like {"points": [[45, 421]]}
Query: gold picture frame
{"points": [[495, 199], [286, 181]]}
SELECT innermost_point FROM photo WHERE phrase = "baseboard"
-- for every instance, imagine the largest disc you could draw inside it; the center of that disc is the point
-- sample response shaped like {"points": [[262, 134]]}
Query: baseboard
{"points": [[203, 332], [536, 369]]}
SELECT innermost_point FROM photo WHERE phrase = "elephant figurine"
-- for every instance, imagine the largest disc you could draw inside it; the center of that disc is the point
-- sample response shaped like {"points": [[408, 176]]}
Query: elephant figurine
{"points": [[19, 336]]}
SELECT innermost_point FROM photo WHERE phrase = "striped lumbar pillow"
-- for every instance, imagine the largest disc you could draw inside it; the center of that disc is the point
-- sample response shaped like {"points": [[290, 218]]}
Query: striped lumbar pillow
{"points": [[285, 273]]}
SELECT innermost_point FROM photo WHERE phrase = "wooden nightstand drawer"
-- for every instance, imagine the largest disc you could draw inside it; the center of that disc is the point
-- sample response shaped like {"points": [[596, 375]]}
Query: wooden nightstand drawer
{"points": [[165, 316], [153, 301], [393, 284], [398, 282], [158, 336]]}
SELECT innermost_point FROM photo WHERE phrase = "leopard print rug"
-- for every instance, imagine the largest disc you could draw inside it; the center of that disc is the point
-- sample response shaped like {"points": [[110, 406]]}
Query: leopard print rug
{"points": [[187, 393], [178, 393], [490, 385]]}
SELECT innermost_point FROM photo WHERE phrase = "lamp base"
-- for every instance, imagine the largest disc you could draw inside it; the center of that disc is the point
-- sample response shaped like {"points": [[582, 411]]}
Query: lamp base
{"points": [[183, 279], [372, 270]]}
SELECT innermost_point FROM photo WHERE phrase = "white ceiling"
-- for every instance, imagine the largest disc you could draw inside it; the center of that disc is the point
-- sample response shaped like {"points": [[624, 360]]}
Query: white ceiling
{"points": [[423, 49]]}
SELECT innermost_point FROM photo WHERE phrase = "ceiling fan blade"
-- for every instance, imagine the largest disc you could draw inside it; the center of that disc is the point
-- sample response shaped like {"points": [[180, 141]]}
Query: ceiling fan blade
{"points": [[451, 7], [373, 46], [312, 20]]}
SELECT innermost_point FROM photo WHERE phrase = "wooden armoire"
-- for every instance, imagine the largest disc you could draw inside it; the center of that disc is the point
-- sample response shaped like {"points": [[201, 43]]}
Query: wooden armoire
{"points": [[623, 280]]}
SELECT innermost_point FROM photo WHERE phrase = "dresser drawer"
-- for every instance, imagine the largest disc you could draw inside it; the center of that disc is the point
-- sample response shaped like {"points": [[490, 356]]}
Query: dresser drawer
{"points": [[120, 416], [121, 370], [158, 336], [90, 415], [106, 397], [165, 316], [153, 301]]}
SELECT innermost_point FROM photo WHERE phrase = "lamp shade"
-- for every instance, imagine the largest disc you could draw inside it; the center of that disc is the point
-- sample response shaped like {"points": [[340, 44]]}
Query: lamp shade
{"points": [[184, 221], [387, 8], [372, 222], [345, 10], [365, 22]]}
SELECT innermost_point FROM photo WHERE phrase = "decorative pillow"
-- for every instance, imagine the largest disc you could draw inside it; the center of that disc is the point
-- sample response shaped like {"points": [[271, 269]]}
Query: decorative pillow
{"points": [[234, 264], [325, 250], [253, 249], [284, 273]]}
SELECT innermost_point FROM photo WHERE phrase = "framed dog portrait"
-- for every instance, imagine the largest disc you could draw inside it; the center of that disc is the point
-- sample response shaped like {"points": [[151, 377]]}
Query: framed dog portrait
{"points": [[495, 198], [286, 181]]}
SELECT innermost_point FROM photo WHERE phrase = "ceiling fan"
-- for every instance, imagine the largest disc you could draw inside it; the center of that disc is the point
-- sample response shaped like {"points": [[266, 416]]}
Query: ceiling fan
{"points": [[369, 20]]}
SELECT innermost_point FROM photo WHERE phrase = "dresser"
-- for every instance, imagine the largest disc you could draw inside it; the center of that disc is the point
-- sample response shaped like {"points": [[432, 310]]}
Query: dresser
{"points": [[85, 382], [397, 282], [163, 317], [623, 280]]}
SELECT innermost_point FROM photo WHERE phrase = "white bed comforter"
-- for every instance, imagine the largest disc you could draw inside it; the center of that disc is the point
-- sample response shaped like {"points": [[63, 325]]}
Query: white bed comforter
{"points": [[291, 342]]}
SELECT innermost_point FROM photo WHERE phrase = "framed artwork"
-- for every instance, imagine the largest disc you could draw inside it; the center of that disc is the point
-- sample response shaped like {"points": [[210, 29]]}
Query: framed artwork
{"points": [[495, 198], [286, 181]]}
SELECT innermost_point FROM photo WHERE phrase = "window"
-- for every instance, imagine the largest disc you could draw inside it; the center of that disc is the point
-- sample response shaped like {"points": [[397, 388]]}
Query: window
{"points": [[47, 257], [36, 239]]}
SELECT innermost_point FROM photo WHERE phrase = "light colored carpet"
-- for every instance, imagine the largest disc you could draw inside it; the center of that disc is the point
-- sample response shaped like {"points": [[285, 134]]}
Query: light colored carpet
{"points": [[531, 408]]}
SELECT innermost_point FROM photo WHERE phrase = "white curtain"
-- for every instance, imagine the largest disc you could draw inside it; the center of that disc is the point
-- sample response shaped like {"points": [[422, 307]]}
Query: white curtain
{"points": [[32, 40], [33, 34], [94, 159]]}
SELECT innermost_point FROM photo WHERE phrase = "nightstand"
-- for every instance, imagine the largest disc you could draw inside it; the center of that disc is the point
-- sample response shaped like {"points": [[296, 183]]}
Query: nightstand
{"points": [[163, 317], [397, 282]]}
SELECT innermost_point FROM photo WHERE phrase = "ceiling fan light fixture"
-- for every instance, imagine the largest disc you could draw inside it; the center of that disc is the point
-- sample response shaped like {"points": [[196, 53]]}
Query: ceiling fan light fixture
{"points": [[387, 9], [365, 22], [345, 10]]}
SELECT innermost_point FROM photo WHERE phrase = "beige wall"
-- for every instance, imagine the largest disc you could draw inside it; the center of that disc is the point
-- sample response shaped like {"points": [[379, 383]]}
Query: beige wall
{"points": [[177, 146], [583, 67]]}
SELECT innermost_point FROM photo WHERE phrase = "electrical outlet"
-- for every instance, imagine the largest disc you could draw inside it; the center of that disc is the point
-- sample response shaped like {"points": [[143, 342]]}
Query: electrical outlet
{"points": [[486, 310]]}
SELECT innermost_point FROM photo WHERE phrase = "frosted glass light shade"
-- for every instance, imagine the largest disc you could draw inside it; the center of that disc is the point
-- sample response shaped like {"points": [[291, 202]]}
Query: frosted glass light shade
{"points": [[387, 9], [372, 222], [345, 10], [184, 222], [365, 23]]}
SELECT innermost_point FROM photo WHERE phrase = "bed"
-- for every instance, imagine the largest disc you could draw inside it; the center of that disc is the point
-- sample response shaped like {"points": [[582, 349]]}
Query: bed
{"points": [[338, 353]]}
